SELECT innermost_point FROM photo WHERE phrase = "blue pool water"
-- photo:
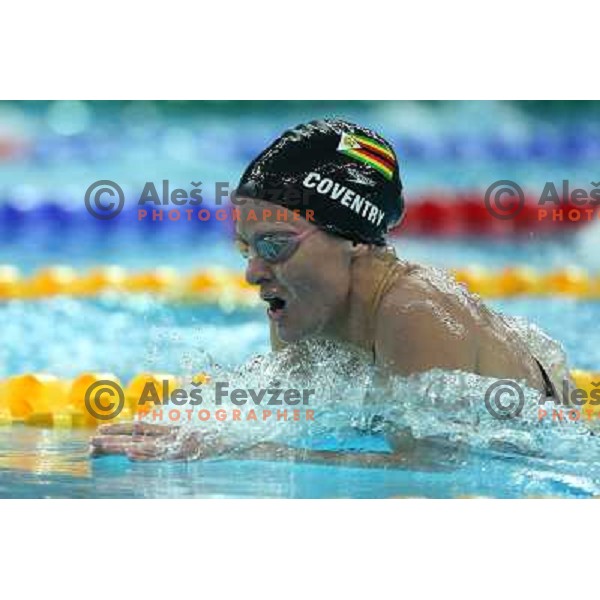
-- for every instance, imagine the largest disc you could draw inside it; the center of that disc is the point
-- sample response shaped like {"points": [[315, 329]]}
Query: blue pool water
{"points": [[127, 335], [70, 145], [37, 463]]}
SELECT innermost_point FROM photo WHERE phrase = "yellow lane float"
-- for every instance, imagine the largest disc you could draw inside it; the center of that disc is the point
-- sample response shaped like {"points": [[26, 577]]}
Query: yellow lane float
{"points": [[84, 401], [221, 286]]}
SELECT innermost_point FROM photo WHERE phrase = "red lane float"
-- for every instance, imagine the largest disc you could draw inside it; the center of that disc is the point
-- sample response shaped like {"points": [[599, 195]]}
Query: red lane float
{"points": [[467, 214]]}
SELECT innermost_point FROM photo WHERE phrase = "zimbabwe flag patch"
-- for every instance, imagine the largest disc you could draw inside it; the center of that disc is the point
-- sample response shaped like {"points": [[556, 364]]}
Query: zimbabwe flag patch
{"points": [[368, 151]]}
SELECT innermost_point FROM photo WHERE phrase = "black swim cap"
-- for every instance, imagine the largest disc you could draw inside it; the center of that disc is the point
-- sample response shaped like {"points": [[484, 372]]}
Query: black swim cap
{"points": [[347, 174]]}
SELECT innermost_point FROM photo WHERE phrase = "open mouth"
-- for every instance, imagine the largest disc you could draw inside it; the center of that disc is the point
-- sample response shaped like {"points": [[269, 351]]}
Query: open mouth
{"points": [[276, 306]]}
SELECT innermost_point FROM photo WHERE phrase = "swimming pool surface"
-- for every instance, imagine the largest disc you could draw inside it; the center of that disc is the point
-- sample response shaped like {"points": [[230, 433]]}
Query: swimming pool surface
{"points": [[126, 335], [54, 464]]}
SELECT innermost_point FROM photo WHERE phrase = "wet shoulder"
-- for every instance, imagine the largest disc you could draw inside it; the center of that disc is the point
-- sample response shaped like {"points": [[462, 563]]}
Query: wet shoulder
{"points": [[430, 297], [422, 323], [420, 287]]}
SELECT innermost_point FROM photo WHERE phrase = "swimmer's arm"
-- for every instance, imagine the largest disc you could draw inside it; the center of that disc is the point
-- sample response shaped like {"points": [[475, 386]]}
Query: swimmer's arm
{"points": [[157, 442], [423, 456], [413, 339], [273, 451]]}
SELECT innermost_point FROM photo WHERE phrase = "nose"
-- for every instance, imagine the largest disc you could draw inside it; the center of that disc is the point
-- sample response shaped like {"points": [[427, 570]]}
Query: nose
{"points": [[258, 271]]}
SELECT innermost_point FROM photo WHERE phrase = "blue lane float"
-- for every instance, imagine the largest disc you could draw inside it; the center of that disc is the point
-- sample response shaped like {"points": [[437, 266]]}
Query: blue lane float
{"points": [[562, 143]]}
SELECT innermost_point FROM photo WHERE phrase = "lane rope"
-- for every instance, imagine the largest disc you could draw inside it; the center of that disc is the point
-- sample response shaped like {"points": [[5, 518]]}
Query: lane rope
{"points": [[222, 286], [40, 399], [433, 213]]}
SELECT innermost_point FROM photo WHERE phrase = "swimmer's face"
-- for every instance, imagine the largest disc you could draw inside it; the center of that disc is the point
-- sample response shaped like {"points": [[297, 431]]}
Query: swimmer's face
{"points": [[307, 291]]}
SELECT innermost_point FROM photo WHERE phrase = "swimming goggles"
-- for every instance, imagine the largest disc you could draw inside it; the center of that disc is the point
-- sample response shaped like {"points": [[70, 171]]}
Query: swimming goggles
{"points": [[274, 247]]}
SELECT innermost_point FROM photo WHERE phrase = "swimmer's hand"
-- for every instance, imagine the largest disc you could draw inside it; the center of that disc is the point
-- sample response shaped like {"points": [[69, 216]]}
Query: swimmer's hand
{"points": [[147, 442]]}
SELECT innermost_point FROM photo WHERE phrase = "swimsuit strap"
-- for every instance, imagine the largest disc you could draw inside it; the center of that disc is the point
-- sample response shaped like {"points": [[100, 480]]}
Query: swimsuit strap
{"points": [[548, 386], [390, 274]]}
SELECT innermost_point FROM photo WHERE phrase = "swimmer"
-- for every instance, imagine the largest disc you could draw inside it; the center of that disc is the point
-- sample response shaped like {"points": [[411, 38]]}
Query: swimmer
{"points": [[333, 276]]}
